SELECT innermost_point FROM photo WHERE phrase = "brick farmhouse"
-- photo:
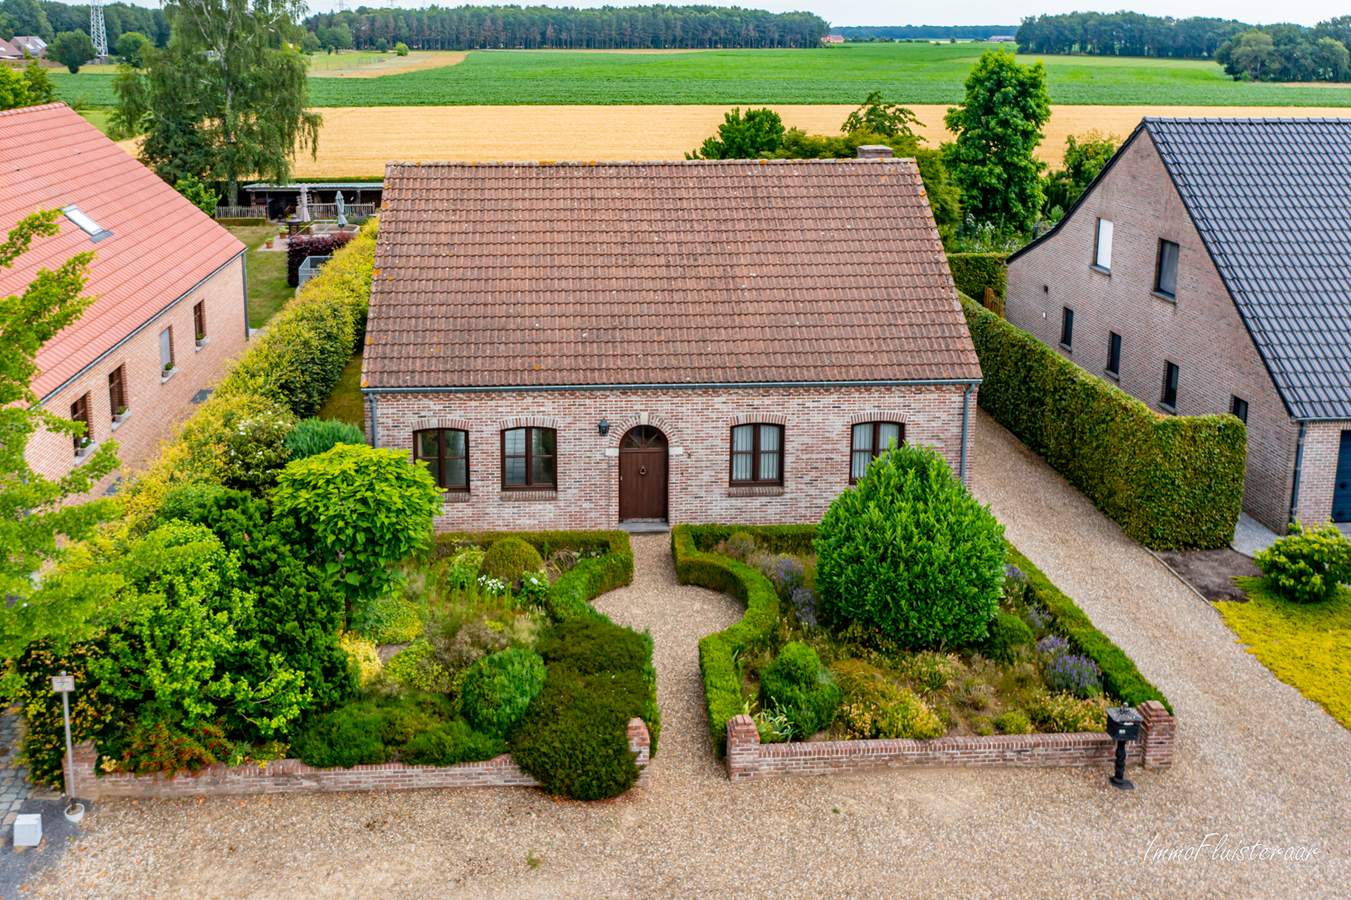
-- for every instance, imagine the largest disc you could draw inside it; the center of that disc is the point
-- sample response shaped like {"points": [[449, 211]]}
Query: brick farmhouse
{"points": [[163, 273], [1207, 269], [583, 345]]}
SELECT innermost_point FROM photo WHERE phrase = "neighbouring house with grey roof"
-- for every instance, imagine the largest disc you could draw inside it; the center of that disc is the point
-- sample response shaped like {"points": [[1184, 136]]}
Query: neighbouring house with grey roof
{"points": [[1207, 269]]}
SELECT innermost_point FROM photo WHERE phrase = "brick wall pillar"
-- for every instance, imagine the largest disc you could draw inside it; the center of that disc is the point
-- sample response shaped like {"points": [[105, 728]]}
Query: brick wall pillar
{"points": [[84, 783], [743, 749], [1156, 735], [640, 742]]}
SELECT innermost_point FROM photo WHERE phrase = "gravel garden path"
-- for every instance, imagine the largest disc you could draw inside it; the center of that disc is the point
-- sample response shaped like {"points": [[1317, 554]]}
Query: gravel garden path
{"points": [[1256, 762]]}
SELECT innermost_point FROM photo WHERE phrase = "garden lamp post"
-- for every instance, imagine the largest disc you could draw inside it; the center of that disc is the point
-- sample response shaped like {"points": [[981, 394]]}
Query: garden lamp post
{"points": [[1123, 724]]}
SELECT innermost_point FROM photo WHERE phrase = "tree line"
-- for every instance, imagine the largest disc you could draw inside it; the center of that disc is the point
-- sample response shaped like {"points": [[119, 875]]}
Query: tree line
{"points": [[922, 32], [1126, 34], [542, 27], [46, 19]]}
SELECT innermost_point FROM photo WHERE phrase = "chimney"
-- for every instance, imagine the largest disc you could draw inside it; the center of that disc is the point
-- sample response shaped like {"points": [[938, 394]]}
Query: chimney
{"points": [[875, 151]]}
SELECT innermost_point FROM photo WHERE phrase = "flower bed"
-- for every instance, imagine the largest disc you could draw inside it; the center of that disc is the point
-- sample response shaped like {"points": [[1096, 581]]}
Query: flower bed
{"points": [[880, 680]]}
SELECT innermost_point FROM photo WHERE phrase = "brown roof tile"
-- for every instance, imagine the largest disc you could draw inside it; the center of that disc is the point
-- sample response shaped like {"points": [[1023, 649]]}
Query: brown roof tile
{"points": [[661, 273], [161, 245]]}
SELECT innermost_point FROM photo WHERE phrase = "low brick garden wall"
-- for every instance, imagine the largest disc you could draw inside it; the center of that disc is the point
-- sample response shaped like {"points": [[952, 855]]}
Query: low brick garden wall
{"points": [[291, 776], [748, 759]]}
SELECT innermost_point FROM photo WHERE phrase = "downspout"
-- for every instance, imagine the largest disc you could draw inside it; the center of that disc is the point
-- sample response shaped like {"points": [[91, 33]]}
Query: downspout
{"points": [[375, 429], [966, 418], [1299, 464]]}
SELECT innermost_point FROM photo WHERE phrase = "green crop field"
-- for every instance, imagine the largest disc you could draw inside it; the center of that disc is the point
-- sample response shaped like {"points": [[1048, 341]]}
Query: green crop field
{"points": [[906, 73]]}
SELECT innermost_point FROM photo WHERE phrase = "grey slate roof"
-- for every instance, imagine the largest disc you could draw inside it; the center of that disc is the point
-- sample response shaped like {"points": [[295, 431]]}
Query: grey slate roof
{"points": [[1272, 200]]}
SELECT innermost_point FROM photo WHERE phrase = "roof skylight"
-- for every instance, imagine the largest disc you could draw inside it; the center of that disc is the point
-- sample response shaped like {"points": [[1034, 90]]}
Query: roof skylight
{"points": [[95, 231]]}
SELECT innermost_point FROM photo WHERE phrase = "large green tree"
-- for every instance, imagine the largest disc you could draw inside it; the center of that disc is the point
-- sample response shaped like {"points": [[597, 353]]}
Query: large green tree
{"points": [[226, 99], [32, 87], [72, 49], [998, 128], [1084, 158], [743, 137], [51, 593]]}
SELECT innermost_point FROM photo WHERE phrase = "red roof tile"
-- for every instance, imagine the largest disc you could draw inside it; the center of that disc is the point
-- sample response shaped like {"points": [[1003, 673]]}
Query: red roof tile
{"points": [[161, 245], [661, 273]]}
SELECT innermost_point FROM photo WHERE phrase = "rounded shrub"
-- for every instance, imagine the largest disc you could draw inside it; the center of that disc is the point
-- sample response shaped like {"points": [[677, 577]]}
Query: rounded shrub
{"points": [[349, 736], [590, 645], [910, 552], [1306, 565], [311, 437], [573, 737], [414, 668], [1007, 634], [450, 743], [509, 559], [796, 686], [498, 688], [1013, 722]]}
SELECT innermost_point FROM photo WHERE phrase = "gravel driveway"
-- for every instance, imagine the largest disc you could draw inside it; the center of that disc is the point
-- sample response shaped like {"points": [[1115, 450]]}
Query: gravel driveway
{"points": [[1256, 761]]}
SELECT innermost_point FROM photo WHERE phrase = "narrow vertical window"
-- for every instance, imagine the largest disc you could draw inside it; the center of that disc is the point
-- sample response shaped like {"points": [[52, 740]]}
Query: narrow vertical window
{"points": [[1165, 279], [1170, 378], [445, 452], [870, 440], [1102, 252], [117, 391], [79, 412], [166, 349], [1239, 407], [1067, 328], [528, 458], [1114, 354], [199, 321], [757, 454]]}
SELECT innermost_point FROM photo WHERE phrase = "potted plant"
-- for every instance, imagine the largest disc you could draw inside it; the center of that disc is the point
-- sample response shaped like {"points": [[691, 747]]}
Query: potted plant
{"points": [[83, 449], [168, 372], [269, 243], [121, 415], [201, 341]]}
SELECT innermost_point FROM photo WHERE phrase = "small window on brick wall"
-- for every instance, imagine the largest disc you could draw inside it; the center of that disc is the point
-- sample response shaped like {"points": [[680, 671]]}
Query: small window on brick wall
{"points": [[868, 441], [117, 390], [1067, 328], [1114, 354], [79, 412], [166, 349], [528, 459], [1171, 373], [445, 452], [199, 320], [1239, 407], [757, 455]]}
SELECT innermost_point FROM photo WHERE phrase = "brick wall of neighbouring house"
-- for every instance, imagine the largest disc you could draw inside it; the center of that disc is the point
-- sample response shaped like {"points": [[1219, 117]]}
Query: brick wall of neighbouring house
{"points": [[155, 406], [697, 423], [1322, 443], [748, 759], [1201, 333], [290, 776]]}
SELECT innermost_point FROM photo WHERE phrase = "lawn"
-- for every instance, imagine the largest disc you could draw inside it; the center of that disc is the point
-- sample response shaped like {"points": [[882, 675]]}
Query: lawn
{"points": [[1306, 645], [344, 404], [907, 73], [268, 289]]}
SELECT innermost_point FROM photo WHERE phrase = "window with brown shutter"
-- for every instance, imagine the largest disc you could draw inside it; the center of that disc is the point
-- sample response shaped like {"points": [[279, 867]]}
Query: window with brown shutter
{"points": [[199, 320], [79, 412], [117, 391]]}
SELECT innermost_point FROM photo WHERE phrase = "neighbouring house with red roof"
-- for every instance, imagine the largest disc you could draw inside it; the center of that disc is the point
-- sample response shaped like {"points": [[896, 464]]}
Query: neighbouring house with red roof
{"points": [[640, 344], [170, 283]]}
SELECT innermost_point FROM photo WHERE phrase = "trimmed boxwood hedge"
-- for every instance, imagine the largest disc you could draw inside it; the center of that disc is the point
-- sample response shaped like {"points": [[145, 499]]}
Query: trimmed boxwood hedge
{"points": [[1119, 674], [1172, 482], [973, 272], [570, 596], [718, 651]]}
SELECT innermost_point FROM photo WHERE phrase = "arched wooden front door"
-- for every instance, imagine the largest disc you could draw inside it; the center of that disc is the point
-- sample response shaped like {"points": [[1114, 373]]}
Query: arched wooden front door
{"points": [[643, 457]]}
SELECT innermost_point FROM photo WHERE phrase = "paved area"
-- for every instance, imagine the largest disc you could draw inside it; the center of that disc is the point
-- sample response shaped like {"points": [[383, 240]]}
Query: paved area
{"points": [[1256, 763], [1251, 536], [14, 787]]}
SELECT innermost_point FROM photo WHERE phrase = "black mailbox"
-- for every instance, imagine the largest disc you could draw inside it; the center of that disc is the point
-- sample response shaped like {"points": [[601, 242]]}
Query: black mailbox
{"points": [[1123, 723]]}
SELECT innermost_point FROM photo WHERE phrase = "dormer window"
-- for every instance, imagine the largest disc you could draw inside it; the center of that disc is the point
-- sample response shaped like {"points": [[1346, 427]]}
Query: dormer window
{"points": [[95, 231]]}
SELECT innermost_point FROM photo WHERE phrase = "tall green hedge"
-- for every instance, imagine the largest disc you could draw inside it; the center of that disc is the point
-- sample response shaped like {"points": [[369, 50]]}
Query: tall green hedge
{"points": [[718, 651], [973, 272], [1172, 482]]}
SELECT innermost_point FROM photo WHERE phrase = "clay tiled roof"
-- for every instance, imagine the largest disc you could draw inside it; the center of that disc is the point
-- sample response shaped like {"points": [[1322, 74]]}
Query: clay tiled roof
{"points": [[661, 273], [161, 245]]}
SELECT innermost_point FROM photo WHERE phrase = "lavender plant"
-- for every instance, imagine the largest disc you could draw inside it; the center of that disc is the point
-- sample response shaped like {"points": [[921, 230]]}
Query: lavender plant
{"points": [[1074, 674], [804, 602], [1052, 646]]}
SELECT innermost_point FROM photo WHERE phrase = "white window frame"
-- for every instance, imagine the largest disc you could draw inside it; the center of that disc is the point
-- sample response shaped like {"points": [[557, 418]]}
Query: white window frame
{"points": [[1102, 246]]}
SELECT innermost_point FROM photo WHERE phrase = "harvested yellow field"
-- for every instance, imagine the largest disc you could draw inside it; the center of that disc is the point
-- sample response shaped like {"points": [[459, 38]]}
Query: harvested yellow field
{"points": [[416, 63], [359, 141]]}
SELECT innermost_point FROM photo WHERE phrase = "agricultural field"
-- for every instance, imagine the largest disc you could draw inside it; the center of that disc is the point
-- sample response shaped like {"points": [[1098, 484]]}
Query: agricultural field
{"points": [[906, 73], [359, 141]]}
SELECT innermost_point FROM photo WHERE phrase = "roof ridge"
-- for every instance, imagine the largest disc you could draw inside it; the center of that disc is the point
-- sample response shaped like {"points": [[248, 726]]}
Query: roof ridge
{"points": [[1237, 120], [632, 162], [29, 109]]}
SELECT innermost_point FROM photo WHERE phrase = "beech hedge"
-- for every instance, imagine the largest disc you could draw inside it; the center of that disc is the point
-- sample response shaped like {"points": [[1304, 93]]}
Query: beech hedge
{"points": [[973, 272], [1172, 482]]}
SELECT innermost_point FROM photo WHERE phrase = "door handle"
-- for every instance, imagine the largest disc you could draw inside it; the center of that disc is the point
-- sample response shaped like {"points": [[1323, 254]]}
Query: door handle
{"points": [[642, 470]]}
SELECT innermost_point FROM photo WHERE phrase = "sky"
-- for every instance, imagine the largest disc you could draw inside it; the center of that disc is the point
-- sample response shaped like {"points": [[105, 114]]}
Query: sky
{"points": [[963, 12]]}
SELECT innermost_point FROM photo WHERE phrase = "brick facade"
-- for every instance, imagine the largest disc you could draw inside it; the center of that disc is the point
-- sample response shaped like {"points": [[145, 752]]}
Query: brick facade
{"points": [[1201, 331], [291, 776], [1318, 470], [697, 423], [749, 760], [155, 405]]}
